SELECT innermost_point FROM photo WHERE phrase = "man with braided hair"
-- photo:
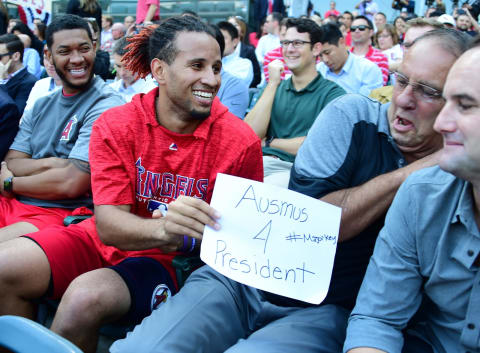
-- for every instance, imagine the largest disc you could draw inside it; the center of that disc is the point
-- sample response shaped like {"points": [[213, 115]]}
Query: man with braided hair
{"points": [[162, 150]]}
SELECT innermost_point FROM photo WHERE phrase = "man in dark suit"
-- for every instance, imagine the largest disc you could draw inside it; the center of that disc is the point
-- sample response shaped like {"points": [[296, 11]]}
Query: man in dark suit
{"points": [[265, 7], [15, 79], [9, 119]]}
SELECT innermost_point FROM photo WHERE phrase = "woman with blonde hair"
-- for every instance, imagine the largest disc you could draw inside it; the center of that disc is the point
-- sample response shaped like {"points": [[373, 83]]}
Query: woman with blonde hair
{"points": [[86, 8]]}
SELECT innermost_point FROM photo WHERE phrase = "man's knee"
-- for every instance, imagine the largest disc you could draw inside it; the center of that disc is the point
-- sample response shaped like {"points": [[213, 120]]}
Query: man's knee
{"points": [[94, 298], [24, 269]]}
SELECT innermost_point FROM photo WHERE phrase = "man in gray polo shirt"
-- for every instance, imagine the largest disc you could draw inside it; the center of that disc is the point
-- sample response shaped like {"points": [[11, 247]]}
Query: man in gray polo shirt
{"points": [[427, 254], [46, 174]]}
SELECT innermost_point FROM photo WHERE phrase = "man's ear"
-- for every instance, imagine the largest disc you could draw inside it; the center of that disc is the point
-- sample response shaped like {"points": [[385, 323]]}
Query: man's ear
{"points": [[16, 56], [317, 49], [158, 68], [47, 54], [236, 41]]}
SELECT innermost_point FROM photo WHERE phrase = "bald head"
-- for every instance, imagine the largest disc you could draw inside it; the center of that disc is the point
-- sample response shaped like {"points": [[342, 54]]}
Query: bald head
{"points": [[118, 30]]}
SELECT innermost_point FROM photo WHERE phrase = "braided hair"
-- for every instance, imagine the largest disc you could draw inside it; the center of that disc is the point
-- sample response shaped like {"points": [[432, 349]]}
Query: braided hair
{"points": [[158, 41]]}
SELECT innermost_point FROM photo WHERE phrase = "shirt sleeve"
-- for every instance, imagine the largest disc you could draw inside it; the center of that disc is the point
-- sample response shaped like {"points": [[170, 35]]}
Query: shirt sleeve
{"points": [[391, 290], [24, 134], [80, 149], [111, 181], [372, 79], [235, 97], [250, 163], [317, 174]]}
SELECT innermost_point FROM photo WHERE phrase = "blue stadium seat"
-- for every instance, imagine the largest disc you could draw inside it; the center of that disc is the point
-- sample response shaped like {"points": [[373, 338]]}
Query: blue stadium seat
{"points": [[25, 336]]}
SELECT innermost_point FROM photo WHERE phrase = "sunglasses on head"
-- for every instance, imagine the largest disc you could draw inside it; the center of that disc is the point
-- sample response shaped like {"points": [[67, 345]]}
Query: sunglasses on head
{"points": [[360, 28]]}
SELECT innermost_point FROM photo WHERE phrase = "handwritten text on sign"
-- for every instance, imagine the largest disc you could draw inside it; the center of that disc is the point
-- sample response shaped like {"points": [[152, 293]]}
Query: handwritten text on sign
{"points": [[273, 239]]}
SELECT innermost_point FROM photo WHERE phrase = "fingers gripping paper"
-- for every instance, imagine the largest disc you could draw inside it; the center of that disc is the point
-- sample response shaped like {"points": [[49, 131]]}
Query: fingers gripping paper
{"points": [[273, 239]]}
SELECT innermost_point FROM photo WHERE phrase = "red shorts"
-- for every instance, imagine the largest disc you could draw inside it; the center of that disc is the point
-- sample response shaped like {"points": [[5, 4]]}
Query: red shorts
{"points": [[13, 211], [76, 249], [71, 251]]}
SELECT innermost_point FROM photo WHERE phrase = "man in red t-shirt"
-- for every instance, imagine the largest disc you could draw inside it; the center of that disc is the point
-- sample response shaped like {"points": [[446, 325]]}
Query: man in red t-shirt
{"points": [[162, 150], [332, 11]]}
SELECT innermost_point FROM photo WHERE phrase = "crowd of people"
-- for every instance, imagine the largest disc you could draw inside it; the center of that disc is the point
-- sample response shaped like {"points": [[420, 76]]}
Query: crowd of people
{"points": [[129, 123]]}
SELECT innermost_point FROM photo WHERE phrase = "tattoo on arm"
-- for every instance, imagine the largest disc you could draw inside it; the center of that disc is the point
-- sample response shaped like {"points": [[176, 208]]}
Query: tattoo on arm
{"points": [[81, 165]]}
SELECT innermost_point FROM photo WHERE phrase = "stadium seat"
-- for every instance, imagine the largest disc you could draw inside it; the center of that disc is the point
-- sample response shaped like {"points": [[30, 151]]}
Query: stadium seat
{"points": [[22, 335]]}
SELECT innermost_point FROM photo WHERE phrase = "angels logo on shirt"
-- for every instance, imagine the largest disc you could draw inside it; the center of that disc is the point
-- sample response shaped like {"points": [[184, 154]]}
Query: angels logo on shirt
{"points": [[68, 129], [160, 295], [166, 187]]}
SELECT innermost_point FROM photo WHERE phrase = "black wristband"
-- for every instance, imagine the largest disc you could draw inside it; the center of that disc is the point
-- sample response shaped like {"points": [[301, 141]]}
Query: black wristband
{"points": [[8, 184], [268, 141]]}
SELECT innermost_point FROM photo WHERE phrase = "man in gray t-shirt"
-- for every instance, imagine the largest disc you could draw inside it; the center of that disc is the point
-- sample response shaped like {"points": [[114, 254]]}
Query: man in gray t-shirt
{"points": [[46, 175]]}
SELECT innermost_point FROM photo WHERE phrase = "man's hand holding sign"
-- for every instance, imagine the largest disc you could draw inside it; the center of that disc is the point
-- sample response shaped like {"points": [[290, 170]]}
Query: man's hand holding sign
{"points": [[273, 239]]}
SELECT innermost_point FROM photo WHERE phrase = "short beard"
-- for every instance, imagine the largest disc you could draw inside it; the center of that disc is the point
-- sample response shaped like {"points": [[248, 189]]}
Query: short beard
{"points": [[195, 114], [67, 83]]}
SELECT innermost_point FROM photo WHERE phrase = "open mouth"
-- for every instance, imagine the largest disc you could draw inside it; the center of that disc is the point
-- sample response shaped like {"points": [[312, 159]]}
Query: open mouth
{"points": [[203, 97], [203, 94], [78, 72], [402, 124]]}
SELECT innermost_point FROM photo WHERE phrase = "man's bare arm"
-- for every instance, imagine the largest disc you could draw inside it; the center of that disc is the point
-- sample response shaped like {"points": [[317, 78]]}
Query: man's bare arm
{"points": [[186, 216], [150, 13], [68, 182], [259, 116], [290, 145], [362, 205], [22, 164]]}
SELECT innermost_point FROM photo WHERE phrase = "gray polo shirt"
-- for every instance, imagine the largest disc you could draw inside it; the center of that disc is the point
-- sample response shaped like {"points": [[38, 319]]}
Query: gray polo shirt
{"points": [[60, 126]]}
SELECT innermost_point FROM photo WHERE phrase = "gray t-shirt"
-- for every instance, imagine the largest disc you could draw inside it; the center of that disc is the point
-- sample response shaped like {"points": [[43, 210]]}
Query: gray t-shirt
{"points": [[60, 126]]}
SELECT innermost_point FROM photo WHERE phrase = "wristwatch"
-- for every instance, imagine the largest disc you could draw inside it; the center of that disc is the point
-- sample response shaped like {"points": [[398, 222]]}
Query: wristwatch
{"points": [[268, 141], [8, 184]]}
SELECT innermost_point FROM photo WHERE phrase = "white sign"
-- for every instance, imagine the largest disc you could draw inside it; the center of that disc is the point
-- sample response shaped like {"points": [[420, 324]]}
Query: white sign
{"points": [[272, 238]]}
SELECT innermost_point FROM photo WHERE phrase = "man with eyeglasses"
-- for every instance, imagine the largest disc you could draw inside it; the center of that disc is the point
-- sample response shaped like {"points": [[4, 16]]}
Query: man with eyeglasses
{"points": [[359, 151], [287, 109], [427, 254], [14, 77], [362, 32]]}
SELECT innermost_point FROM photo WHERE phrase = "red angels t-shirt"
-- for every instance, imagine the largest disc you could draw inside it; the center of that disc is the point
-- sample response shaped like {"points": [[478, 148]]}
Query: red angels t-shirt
{"points": [[134, 160]]}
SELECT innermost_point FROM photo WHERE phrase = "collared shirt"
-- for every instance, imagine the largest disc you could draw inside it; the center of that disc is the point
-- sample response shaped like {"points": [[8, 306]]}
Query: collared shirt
{"points": [[31, 60], [238, 67], [9, 77], [293, 112], [139, 86], [265, 44], [233, 93], [377, 57], [426, 251], [358, 75]]}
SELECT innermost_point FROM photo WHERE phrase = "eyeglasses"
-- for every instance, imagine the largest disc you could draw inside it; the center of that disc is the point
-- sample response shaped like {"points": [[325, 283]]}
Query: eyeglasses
{"points": [[297, 43], [361, 28], [420, 90], [6, 54]]}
